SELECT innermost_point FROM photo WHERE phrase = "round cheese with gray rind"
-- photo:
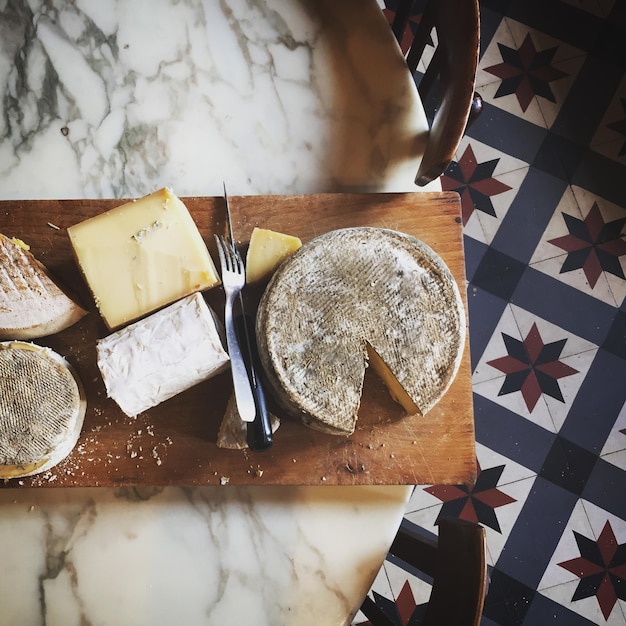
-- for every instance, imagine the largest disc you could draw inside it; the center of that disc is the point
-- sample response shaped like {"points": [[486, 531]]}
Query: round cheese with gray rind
{"points": [[42, 407], [356, 296]]}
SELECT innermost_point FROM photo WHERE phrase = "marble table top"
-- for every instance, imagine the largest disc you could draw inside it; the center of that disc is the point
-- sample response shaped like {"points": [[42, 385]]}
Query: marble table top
{"points": [[117, 99]]}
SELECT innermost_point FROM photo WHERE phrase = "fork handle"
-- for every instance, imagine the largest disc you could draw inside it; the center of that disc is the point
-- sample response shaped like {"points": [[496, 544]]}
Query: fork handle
{"points": [[241, 383]]}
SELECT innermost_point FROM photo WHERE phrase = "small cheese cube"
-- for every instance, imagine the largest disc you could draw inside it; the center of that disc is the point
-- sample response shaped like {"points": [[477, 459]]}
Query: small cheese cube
{"points": [[141, 256], [267, 250], [161, 355]]}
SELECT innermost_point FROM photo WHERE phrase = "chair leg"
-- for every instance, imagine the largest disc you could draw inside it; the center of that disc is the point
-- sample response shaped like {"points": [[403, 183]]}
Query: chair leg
{"points": [[459, 588], [476, 109], [401, 18]]}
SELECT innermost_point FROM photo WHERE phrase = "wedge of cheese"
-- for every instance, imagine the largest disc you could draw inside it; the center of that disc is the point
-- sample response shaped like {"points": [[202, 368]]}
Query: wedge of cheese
{"points": [[161, 355], [141, 256], [233, 431], [355, 297], [42, 407], [267, 250], [32, 304]]}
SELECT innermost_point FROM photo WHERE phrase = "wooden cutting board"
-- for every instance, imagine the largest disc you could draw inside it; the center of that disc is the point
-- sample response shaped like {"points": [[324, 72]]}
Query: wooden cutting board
{"points": [[174, 443]]}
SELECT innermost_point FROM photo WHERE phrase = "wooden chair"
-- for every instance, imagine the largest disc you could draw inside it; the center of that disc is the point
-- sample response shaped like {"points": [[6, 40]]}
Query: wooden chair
{"points": [[457, 564], [452, 69]]}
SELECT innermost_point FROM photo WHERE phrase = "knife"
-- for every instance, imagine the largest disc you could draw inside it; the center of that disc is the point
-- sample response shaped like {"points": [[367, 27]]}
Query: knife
{"points": [[259, 431]]}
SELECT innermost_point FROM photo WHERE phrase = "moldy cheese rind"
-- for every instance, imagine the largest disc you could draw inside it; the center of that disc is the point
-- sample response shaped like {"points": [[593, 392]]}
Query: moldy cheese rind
{"points": [[354, 297], [42, 407]]}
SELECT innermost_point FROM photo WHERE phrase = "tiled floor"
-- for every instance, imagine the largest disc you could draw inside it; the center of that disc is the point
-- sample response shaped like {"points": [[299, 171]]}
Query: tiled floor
{"points": [[542, 175]]}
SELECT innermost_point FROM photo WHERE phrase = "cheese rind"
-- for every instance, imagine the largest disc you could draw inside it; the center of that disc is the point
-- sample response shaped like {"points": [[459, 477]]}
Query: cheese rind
{"points": [[345, 291], [141, 256], [161, 355], [267, 250], [32, 304], [42, 407]]}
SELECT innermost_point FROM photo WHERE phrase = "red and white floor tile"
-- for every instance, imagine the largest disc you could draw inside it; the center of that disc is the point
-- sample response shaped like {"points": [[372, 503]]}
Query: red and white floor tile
{"points": [[541, 178]]}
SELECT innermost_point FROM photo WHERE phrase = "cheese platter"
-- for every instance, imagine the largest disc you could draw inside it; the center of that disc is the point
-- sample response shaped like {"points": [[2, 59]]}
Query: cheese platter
{"points": [[175, 442]]}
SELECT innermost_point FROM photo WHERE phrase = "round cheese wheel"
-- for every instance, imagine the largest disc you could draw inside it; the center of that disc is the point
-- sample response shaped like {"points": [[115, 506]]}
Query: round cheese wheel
{"points": [[42, 407], [354, 297]]}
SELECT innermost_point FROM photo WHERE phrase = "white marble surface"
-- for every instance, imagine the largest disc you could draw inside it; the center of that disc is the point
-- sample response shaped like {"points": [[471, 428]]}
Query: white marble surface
{"points": [[262, 556], [116, 99]]}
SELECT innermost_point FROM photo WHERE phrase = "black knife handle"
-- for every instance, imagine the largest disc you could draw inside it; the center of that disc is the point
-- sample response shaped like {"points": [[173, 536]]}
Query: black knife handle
{"points": [[259, 432]]}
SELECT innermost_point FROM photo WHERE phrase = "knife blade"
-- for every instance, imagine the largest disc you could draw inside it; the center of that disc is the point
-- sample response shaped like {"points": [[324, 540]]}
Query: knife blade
{"points": [[259, 431]]}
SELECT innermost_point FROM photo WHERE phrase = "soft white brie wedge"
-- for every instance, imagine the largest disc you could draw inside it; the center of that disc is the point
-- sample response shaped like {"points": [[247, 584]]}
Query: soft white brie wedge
{"points": [[161, 355], [32, 305]]}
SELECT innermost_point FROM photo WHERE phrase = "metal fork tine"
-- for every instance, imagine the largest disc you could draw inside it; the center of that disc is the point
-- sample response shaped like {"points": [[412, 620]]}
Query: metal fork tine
{"points": [[220, 251], [226, 253], [233, 258], [238, 261], [230, 255]]}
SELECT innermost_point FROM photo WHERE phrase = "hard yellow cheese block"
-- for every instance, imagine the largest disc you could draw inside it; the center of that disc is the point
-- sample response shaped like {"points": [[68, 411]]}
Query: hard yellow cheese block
{"points": [[141, 256], [267, 250]]}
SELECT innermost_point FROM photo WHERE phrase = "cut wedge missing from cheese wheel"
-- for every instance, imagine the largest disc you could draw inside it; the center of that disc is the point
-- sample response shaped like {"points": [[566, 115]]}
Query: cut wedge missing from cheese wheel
{"points": [[355, 297], [32, 304], [42, 407]]}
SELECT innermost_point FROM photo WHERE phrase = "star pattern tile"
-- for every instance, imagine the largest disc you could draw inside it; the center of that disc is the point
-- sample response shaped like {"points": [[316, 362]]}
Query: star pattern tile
{"points": [[474, 182], [532, 367], [601, 568], [475, 503], [526, 72], [593, 245], [403, 611], [410, 28]]}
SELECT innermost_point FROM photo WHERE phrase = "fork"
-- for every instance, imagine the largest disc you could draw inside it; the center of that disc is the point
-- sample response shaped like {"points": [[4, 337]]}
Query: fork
{"points": [[233, 280]]}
